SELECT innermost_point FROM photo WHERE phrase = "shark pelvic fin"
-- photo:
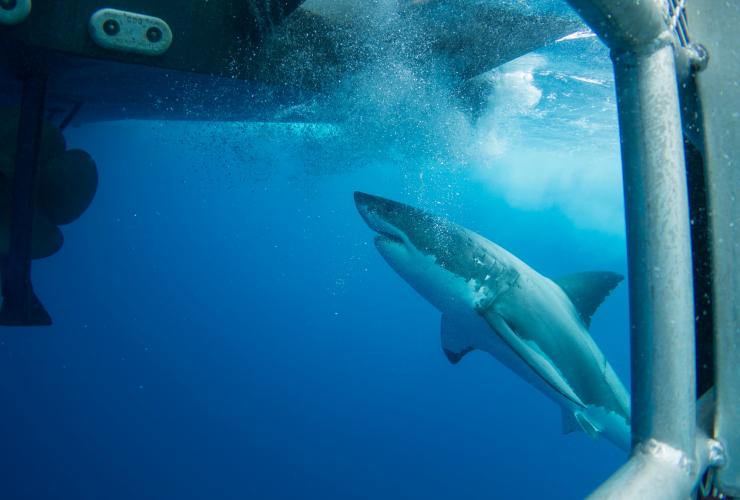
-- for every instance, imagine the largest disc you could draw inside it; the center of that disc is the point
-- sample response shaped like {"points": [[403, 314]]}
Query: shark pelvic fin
{"points": [[570, 424], [585, 424], [574, 422], [454, 344], [588, 290]]}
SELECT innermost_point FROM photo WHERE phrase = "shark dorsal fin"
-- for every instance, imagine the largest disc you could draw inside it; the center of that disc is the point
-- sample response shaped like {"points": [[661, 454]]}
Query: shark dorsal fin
{"points": [[588, 290], [454, 342]]}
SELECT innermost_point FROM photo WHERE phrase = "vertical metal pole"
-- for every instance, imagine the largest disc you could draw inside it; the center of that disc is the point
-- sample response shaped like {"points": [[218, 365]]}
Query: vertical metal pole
{"points": [[713, 24], [20, 305], [664, 462], [659, 249]]}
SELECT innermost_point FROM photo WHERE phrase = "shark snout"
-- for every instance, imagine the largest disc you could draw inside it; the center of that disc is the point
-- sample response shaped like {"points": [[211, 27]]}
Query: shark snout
{"points": [[378, 213], [363, 198], [364, 203], [371, 209]]}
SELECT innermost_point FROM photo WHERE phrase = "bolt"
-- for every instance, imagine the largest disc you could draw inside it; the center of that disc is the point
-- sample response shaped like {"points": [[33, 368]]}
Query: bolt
{"points": [[154, 34], [717, 456], [8, 4], [111, 27]]}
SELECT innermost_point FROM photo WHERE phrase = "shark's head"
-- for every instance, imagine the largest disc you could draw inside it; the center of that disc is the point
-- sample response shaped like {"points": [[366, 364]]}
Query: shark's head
{"points": [[447, 264]]}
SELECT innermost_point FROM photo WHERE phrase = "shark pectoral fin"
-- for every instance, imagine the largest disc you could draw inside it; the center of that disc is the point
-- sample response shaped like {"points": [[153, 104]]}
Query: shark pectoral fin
{"points": [[454, 339], [588, 290], [532, 356]]}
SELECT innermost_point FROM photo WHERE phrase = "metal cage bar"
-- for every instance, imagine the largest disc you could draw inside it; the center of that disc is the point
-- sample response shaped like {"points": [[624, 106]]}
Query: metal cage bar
{"points": [[720, 103], [663, 463]]}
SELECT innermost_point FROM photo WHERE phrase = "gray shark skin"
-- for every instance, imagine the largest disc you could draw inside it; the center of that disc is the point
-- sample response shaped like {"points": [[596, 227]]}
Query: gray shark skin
{"points": [[492, 301]]}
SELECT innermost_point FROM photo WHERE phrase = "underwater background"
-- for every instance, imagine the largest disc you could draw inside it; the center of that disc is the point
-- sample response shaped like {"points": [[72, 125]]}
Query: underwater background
{"points": [[225, 328]]}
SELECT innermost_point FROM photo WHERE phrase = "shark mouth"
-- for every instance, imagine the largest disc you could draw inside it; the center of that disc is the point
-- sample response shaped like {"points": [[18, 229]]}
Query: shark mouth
{"points": [[368, 207], [389, 238], [387, 233]]}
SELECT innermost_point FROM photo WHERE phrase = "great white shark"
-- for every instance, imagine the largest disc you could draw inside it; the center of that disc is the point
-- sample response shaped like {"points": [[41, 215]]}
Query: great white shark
{"points": [[492, 301]]}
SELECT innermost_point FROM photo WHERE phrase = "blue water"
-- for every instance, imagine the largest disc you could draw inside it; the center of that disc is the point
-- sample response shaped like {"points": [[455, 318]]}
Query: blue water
{"points": [[224, 327]]}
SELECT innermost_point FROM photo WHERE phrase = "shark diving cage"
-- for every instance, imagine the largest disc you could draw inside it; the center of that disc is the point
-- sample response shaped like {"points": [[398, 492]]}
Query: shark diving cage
{"points": [[678, 103]]}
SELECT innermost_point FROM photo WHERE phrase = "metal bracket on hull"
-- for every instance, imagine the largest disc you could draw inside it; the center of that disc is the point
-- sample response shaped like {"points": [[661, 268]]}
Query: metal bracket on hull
{"points": [[130, 32]]}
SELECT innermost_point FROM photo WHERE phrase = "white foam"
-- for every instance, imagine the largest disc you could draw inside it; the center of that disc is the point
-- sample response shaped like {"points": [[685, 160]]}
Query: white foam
{"points": [[585, 79], [578, 35]]}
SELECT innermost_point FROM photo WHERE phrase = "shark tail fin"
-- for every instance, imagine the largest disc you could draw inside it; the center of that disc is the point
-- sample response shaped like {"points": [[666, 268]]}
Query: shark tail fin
{"points": [[588, 290], [454, 342]]}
